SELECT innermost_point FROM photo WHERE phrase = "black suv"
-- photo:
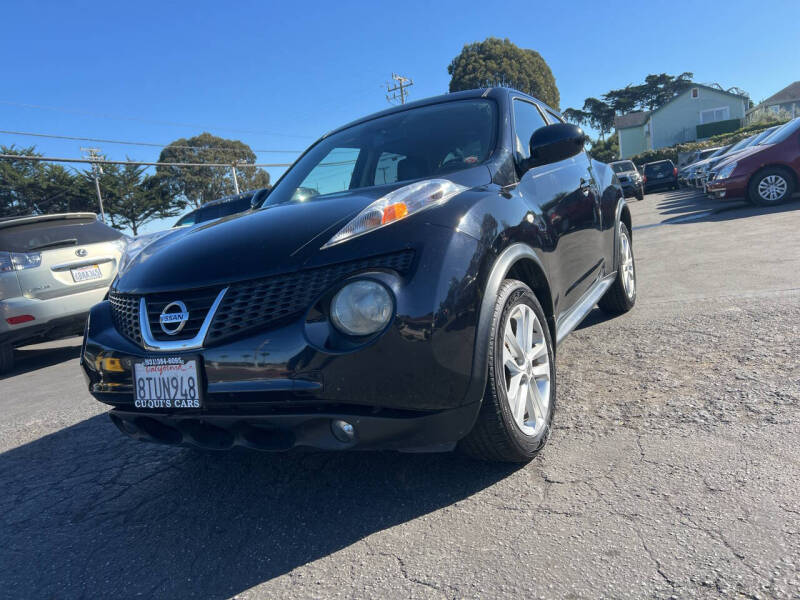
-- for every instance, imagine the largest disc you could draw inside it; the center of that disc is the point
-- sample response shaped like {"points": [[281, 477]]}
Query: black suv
{"points": [[660, 175], [413, 301], [228, 205]]}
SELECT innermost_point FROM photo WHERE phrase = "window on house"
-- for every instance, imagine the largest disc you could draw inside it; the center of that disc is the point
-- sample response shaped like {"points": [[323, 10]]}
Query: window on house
{"points": [[712, 115], [695, 92]]}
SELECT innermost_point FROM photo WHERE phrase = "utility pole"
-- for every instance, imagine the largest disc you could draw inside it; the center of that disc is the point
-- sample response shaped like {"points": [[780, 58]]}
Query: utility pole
{"points": [[235, 179], [97, 170], [400, 91]]}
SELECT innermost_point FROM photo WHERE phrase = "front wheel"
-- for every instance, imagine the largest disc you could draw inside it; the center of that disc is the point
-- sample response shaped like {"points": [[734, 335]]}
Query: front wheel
{"points": [[520, 397], [770, 186], [621, 296]]}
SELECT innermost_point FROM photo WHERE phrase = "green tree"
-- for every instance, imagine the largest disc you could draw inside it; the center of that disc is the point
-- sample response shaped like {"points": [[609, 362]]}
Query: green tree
{"points": [[605, 150], [496, 62], [132, 198], [198, 185], [37, 187]]}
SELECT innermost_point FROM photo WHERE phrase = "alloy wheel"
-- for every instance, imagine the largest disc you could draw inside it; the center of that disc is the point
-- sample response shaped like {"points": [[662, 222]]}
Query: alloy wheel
{"points": [[626, 264], [772, 188], [526, 364]]}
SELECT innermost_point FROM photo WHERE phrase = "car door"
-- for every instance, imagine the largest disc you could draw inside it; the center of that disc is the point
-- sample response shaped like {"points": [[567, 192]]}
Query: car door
{"points": [[566, 196]]}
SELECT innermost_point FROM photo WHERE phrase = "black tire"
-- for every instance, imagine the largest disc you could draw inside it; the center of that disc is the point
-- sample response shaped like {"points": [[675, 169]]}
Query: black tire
{"points": [[6, 358], [753, 194], [617, 300], [496, 436]]}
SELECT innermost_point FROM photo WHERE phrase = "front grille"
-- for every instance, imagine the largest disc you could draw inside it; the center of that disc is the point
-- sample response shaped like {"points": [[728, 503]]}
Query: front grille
{"points": [[125, 315], [198, 303], [247, 305], [263, 302]]}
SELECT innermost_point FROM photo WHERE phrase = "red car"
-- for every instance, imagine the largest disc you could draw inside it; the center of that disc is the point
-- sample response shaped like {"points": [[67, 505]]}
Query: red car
{"points": [[767, 173]]}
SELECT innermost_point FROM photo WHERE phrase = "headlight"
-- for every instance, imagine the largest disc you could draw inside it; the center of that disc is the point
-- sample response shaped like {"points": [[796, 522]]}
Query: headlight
{"points": [[726, 171], [135, 246], [397, 205], [361, 308]]}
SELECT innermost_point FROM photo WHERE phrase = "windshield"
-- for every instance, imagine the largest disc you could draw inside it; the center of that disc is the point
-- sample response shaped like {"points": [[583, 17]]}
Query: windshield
{"points": [[49, 234], [763, 135], [719, 151], [741, 144], [659, 168], [622, 167], [423, 142], [782, 132]]}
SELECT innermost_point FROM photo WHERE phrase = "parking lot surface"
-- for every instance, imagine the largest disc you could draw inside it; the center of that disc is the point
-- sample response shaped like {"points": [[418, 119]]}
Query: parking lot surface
{"points": [[673, 469]]}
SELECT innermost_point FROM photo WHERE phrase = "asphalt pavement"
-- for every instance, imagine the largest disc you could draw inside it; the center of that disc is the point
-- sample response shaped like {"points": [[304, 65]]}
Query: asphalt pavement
{"points": [[673, 469]]}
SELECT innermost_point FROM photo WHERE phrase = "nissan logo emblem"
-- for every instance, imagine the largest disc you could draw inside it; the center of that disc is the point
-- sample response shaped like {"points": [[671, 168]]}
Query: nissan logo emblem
{"points": [[173, 318]]}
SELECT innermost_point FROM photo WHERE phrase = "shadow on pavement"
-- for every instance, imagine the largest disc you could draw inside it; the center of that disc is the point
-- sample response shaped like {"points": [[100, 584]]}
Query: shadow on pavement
{"points": [[87, 512], [27, 360]]}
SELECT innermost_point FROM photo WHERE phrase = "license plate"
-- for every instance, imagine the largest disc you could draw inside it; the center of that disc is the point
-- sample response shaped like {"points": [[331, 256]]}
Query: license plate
{"points": [[89, 273], [166, 382]]}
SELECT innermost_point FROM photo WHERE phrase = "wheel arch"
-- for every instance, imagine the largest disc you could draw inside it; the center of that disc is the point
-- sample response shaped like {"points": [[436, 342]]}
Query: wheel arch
{"points": [[517, 261], [623, 216]]}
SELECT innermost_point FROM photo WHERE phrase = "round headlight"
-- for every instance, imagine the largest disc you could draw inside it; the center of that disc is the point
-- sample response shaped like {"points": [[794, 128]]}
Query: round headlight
{"points": [[361, 308]]}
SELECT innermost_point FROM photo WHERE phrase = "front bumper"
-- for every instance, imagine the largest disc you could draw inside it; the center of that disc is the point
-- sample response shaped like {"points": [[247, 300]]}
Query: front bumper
{"points": [[53, 318], [732, 187], [629, 188], [282, 387]]}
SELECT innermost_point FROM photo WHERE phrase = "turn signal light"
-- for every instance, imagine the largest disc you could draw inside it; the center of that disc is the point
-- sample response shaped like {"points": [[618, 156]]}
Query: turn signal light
{"points": [[393, 212], [19, 319]]}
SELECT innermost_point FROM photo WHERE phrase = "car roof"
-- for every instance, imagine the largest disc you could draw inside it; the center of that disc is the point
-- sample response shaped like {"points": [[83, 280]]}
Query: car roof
{"points": [[489, 92], [658, 162], [225, 199]]}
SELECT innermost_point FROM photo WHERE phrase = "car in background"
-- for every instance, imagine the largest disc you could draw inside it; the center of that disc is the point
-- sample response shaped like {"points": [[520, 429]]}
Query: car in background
{"points": [[659, 175], [629, 178], [694, 158], [688, 175], [712, 168], [767, 173], [53, 269], [229, 205]]}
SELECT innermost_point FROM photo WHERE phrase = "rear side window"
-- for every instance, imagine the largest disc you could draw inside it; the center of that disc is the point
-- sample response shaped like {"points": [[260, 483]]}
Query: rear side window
{"points": [[527, 119], [659, 168], [54, 234]]}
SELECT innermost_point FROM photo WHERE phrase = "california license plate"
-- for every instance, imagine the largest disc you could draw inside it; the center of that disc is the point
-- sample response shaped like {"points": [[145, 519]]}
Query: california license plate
{"points": [[167, 382], [89, 273]]}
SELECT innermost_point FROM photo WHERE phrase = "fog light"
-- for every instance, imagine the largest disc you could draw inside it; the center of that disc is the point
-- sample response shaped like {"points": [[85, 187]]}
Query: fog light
{"points": [[343, 431], [361, 308]]}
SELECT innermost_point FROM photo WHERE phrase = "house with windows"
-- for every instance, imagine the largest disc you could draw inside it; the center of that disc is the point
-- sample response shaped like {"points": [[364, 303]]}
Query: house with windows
{"points": [[784, 104], [698, 113]]}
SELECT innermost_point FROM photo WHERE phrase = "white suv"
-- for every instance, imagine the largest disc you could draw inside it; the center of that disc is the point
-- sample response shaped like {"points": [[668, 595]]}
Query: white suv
{"points": [[53, 269]]}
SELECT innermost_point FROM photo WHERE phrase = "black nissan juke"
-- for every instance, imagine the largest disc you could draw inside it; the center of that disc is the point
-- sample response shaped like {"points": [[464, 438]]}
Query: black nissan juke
{"points": [[403, 286]]}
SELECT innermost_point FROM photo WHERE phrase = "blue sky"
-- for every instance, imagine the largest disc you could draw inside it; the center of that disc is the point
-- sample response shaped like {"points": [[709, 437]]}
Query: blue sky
{"points": [[278, 74]]}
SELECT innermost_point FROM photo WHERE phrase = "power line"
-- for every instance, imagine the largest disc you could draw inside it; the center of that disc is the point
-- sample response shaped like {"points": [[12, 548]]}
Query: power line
{"points": [[152, 121], [148, 144], [104, 161]]}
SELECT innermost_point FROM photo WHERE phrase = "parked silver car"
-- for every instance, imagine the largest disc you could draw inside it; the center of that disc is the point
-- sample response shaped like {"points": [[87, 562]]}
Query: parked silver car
{"points": [[53, 269]]}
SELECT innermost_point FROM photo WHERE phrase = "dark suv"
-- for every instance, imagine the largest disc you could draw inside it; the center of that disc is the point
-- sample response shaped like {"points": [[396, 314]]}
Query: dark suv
{"points": [[414, 301], [229, 205], [660, 175]]}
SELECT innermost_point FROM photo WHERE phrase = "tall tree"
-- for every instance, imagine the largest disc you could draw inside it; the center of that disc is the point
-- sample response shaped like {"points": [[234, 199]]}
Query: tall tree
{"points": [[496, 62], [36, 187], [198, 185], [132, 198]]}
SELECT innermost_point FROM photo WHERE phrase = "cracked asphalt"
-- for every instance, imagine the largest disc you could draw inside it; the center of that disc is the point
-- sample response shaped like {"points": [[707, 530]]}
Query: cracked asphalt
{"points": [[673, 469]]}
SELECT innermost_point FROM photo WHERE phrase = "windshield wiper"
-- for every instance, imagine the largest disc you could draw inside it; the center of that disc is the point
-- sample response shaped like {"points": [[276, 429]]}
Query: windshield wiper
{"points": [[67, 242]]}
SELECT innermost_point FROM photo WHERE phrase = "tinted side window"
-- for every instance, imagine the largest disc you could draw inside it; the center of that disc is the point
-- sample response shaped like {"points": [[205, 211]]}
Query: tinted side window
{"points": [[527, 119]]}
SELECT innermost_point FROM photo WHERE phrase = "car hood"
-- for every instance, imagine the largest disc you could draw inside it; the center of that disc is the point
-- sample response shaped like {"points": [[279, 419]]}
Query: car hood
{"points": [[242, 246], [627, 174]]}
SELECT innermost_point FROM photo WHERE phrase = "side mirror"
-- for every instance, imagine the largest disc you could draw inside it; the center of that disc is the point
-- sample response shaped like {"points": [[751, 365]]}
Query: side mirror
{"points": [[258, 198], [552, 143]]}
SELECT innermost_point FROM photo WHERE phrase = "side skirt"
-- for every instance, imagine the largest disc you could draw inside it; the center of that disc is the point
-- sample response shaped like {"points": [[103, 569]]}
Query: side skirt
{"points": [[577, 313]]}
